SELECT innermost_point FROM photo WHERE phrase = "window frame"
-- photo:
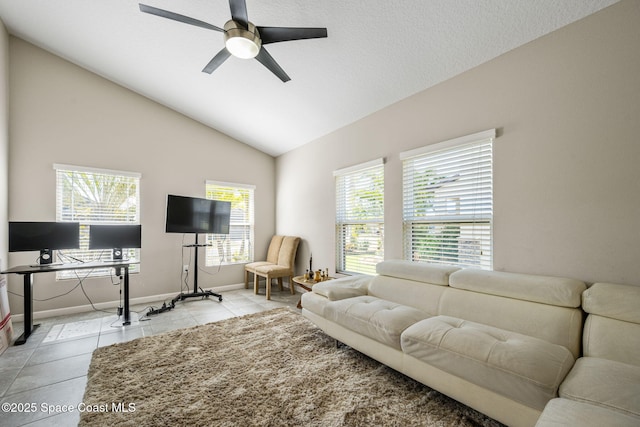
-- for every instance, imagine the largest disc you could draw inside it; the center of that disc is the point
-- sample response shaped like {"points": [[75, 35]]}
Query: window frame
{"points": [[248, 222], [456, 226], [84, 253], [347, 221]]}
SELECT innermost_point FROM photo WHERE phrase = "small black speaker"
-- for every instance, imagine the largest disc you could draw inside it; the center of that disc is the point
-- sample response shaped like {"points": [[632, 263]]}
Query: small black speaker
{"points": [[46, 256]]}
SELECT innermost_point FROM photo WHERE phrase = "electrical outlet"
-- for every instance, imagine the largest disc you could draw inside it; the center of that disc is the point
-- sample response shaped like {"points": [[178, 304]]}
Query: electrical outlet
{"points": [[185, 268]]}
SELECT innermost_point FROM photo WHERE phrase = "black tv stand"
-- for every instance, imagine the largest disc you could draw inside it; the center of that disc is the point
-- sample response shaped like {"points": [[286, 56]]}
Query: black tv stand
{"points": [[197, 293], [201, 294]]}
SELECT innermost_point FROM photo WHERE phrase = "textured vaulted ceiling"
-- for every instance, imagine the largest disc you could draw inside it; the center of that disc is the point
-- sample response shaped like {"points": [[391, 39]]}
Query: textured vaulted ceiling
{"points": [[377, 53]]}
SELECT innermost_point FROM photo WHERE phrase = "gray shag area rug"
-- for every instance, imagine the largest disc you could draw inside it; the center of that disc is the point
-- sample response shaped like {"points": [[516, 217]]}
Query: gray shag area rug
{"points": [[274, 368]]}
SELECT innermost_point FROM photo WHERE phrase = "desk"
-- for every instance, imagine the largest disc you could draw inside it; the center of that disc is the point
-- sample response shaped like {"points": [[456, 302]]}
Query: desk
{"points": [[27, 271]]}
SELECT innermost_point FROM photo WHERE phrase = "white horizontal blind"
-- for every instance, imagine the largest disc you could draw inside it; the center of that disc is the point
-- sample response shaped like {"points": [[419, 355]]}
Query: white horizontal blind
{"points": [[237, 246], [96, 196], [448, 203], [360, 217]]}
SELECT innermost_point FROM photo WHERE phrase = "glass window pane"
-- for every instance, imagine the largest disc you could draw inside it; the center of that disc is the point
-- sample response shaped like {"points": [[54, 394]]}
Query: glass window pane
{"points": [[95, 197], [237, 246], [360, 219]]}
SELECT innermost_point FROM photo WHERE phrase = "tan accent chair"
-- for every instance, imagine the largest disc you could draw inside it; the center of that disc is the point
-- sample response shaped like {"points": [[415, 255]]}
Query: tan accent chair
{"points": [[272, 259], [282, 268]]}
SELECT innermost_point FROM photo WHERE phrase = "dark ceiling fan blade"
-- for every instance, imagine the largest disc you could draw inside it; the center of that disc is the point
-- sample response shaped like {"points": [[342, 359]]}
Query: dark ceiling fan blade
{"points": [[239, 12], [177, 17], [283, 34], [216, 61], [267, 60]]}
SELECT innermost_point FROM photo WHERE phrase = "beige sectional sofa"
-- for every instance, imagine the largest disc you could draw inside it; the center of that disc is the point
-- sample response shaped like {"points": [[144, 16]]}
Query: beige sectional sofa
{"points": [[499, 342], [603, 387]]}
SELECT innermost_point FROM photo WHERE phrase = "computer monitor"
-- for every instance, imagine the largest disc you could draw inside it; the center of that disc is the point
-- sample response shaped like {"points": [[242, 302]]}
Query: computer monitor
{"points": [[44, 237], [115, 237]]}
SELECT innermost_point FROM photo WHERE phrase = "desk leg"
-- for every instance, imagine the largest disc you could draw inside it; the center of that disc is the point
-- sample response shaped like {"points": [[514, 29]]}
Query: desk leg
{"points": [[29, 327], [127, 314]]}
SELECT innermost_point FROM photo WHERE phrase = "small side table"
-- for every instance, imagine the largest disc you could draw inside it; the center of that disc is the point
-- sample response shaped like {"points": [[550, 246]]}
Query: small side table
{"points": [[306, 285]]}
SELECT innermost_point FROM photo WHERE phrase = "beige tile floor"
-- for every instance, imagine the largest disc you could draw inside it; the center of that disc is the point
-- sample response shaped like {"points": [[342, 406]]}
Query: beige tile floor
{"points": [[51, 368]]}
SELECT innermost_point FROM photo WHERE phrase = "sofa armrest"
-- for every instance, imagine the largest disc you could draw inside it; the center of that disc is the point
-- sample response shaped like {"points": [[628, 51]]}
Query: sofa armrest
{"points": [[345, 287]]}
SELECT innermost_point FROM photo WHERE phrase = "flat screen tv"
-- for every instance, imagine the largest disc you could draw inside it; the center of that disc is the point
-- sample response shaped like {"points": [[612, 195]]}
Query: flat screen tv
{"points": [[196, 215], [115, 237], [44, 237]]}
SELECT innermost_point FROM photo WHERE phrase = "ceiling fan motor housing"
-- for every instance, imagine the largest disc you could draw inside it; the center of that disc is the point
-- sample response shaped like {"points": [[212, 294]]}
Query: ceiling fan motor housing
{"points": [[242, 42]]}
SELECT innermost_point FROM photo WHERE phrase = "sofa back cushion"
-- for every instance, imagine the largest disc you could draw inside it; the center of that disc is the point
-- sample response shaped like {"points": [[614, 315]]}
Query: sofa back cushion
{"points": [[612, 329], [538, 306], [528, 287], [415, 284], [418, 271], [557, 325], [621, 302], [420, 295]]}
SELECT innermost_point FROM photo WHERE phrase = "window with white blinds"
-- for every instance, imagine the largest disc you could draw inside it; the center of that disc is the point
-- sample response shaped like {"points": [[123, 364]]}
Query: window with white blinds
{"points": [[96, 196], [448, 202], [360, 217], [237, 246]]}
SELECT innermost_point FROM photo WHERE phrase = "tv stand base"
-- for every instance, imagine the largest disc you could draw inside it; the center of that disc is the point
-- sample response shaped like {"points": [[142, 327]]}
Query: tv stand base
{"points": [[201, 294], [182, 297]]}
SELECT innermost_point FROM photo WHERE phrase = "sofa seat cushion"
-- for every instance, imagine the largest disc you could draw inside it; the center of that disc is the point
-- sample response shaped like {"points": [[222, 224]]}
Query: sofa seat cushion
{"points": [[606, 383], [378, 319], [566, 412], [523, 368]]}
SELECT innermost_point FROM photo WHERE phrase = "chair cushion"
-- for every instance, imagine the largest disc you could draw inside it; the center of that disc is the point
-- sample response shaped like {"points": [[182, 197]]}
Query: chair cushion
{"points": [[566, 412], [605, 383], [273, 270], [523, 368], [373, 317], [253, 265]]}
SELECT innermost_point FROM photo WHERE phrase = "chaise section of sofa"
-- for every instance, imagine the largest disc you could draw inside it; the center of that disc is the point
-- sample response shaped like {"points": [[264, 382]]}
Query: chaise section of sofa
{"points": [[499, 342], [605, 381]]}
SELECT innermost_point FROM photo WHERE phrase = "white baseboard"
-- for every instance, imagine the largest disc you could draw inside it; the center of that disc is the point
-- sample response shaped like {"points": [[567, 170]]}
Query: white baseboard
{"points": [[65, 311]]}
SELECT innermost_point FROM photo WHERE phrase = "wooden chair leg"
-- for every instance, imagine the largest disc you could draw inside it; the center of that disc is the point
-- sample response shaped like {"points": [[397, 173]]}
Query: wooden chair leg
{"points": [[292, 286], [280, 283], [268, 287], [246, 279], [255, 283]]}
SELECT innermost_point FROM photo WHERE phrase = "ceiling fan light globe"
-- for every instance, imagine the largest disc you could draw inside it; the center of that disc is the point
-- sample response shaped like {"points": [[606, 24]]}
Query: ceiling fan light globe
{"points": [[240, 42], [242, 48]]}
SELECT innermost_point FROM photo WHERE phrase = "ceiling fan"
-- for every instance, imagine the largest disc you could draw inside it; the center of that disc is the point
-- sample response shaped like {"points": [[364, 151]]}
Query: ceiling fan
{"points": [[242, 39]]}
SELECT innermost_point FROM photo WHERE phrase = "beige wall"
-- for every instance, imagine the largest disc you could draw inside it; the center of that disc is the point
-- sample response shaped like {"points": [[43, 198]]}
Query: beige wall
{"points": [[567, 180], [61, 113], [4, 142]]}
